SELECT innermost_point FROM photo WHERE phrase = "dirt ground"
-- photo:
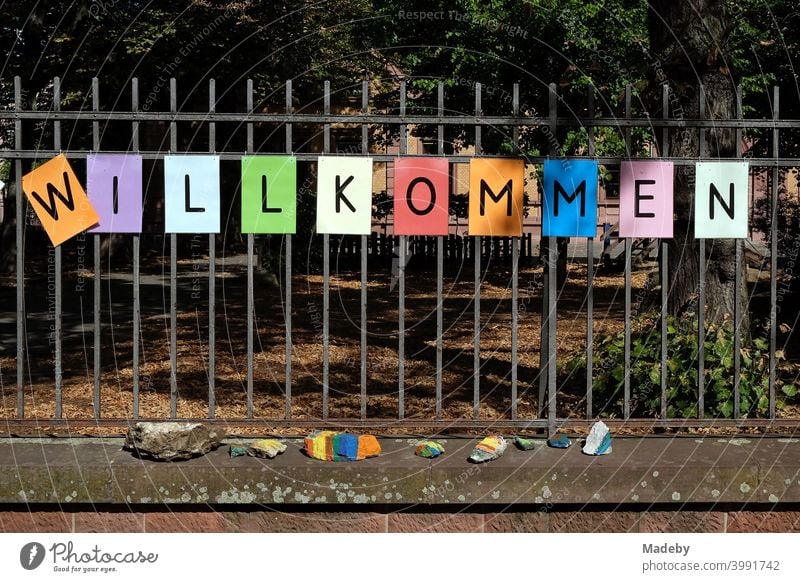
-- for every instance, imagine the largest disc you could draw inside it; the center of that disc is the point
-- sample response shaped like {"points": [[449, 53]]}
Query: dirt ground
{"points": [[269, 351]]}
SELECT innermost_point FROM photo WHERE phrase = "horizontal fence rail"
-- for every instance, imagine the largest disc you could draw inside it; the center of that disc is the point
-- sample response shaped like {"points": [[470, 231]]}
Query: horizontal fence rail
{"points": [[530, 265]]}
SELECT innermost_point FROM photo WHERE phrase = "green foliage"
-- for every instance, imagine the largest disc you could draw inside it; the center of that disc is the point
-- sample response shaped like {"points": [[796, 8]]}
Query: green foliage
{"points": [[682, 370]]}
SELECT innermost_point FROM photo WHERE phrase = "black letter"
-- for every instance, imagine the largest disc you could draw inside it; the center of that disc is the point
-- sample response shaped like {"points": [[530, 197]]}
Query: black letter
{"points": [[432, 203], [188, 202], [264, 205], [115, 195], [52, 192], [496, 198], [637, 197], [728, 208], [340, 194], [559, 189]]}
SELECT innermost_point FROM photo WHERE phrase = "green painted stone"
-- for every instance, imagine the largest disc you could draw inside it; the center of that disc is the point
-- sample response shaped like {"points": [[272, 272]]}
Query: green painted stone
{"points": [[524, 444]]}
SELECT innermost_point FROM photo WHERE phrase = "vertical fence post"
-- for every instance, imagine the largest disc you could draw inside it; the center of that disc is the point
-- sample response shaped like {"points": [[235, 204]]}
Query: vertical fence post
{"points": [[59, 377], [701, 289], [96, 239], [326, 268], [476, 379], [439, 266], [628, 251], [212, 268], [514, 272], [288, 276], [19, 236], [551, 307], [737, 312], [401, 278], [590, 280], [664, 274], [136, 266], [364, 251], [773, 256], [173, 270], [250, 247]]}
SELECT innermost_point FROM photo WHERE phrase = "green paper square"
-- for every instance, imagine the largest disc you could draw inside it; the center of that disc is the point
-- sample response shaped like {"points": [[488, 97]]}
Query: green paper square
{"points": [[279, 175]]}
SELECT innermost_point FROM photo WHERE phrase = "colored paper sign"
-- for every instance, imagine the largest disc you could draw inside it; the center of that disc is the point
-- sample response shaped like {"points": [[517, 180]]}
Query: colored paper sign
{"points": [[59, 200], [269, 194], [344, 195], [114, 185], [421, 193], [645, 199], [496, 197], [191, 194], [720, 200], [569, 200]]}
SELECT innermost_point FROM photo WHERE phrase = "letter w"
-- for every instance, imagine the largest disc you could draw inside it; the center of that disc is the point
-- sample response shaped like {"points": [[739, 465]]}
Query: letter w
{"points": [[52, 193]]}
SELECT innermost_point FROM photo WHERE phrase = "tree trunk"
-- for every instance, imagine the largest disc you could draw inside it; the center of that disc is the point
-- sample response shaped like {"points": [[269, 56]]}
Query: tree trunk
{"points": [[687, 41]]}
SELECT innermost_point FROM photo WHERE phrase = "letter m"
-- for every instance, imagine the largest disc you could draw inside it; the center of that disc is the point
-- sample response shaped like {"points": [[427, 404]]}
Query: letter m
{"points": [[52, 193], [485, 189], [570, 198]]}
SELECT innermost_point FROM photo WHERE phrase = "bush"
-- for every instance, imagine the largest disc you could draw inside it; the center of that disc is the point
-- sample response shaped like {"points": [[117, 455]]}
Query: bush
{"points": [[682, 395]]}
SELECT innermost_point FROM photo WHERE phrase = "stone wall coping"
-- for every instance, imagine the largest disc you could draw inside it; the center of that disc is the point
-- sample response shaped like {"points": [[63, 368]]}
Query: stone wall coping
{"points": [[640, 470]]}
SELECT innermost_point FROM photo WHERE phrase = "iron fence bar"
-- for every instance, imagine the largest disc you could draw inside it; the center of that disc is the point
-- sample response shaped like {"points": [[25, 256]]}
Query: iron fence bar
{"points": [[773, 259], [250, 278], [39, 154], [19, 212], [136, 258], [514, 275], [288, 276], [380, 119], [484, 424], [212, 268], [59, 375], [552, 275], [664, 275], [173, 274], [590, 281], [737, 312], [96, 240], [701, 290], [628, 116], [439, 267], [364, 252], [664, 271], [628, 259], [401, 280], [326, 270], [627, 348], [544, 334], [476, 379]]}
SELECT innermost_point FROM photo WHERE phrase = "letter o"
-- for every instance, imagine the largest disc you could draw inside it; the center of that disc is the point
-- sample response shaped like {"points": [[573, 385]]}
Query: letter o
{"points": [[410, 190]]}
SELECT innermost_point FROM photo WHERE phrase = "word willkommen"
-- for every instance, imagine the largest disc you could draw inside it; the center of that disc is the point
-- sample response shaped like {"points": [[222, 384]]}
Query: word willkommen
{"points": [[112, 201]]}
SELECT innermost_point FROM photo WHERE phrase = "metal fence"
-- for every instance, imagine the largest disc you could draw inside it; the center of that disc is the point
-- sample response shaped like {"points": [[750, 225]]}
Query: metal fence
{"points": [[544, 381]]}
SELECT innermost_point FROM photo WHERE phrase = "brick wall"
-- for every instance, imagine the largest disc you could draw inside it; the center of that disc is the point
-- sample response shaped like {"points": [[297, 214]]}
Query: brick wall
{"points": [[284, 519]]}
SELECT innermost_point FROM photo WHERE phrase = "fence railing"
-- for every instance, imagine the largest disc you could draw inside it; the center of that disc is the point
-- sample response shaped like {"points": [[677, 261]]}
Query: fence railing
{"points": [[538, 384]]}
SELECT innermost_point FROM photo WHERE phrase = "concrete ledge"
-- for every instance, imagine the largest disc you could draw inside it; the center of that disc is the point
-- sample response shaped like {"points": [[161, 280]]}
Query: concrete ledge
{"points": [[653, 470]]}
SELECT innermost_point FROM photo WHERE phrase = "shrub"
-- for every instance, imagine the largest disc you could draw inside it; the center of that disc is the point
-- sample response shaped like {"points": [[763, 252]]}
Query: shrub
{"points": [[682, 394]]}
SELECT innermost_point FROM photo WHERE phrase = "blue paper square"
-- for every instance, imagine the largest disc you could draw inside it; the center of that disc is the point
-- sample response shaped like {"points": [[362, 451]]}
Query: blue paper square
{"points": [[569, 200]]}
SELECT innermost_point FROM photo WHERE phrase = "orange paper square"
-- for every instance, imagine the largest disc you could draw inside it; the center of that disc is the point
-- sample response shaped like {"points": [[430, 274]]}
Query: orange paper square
{"points": [[496, 197], [59, 200]]}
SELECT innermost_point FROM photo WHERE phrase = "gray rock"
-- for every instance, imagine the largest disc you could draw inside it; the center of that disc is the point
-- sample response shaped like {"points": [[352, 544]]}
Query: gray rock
{"points": [[172, 441]]}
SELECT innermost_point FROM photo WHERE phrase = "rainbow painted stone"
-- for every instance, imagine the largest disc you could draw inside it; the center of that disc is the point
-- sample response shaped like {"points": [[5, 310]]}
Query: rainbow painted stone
{"points": [[429, 449], [328, 445], [488, 449]]}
